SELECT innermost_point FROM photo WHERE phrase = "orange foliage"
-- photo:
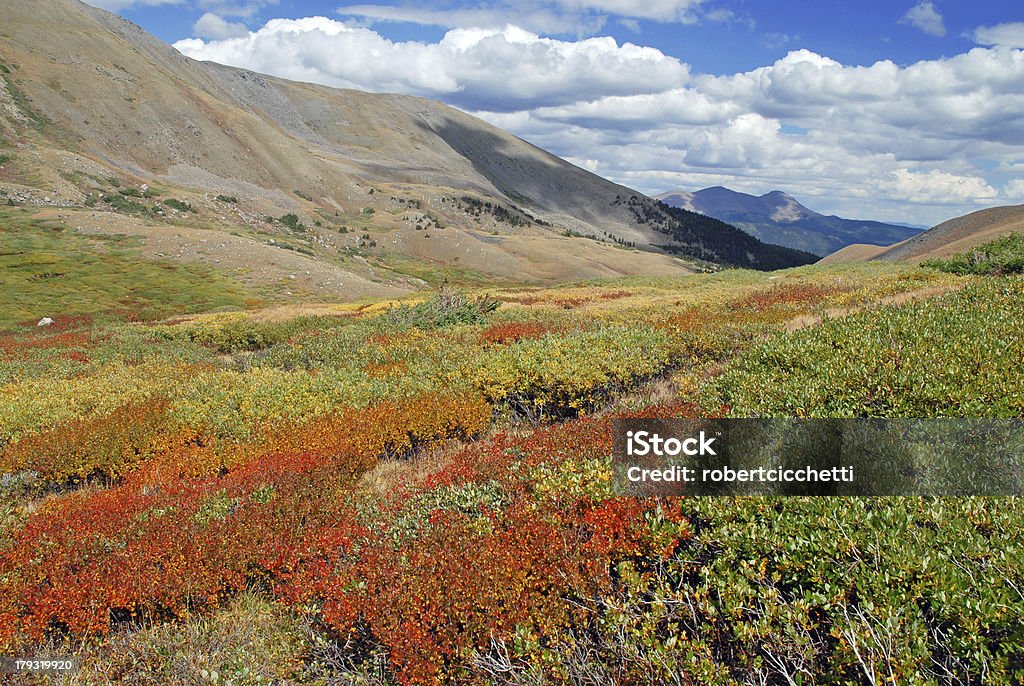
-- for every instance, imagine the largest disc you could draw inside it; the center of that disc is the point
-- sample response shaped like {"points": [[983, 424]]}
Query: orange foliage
{"points": [[104, 446], [788, 294], [512, 332]]}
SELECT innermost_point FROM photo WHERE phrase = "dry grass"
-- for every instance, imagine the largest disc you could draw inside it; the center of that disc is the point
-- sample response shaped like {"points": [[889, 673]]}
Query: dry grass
{"points": [[249, 641]]}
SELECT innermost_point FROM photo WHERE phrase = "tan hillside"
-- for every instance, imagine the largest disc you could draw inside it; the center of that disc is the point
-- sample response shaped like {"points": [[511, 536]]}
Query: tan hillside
{"points": [[858, 252], [93, 105], [956, 235], [959, 235]]}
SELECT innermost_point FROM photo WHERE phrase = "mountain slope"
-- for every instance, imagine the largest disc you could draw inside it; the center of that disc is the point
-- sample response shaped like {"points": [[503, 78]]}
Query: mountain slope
{"points": [[958, 235], [388, 191], [776, 217]]}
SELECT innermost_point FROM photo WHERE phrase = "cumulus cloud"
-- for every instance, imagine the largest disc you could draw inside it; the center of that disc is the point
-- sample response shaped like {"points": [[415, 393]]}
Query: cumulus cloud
{"points": [[475, 68], [937, 187], [925, 17], [548, 20], [1007, 35], [866, 140], [1014, 191], [579, 17], [658, 10], [217, 28]]}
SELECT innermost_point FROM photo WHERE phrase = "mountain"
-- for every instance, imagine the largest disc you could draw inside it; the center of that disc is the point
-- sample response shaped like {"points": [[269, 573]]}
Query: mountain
{"points": [[320, 189], [776, 217]]}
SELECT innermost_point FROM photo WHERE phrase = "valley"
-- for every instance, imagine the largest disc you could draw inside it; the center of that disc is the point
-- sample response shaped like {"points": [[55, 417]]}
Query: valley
{"points": [[302, 385]]}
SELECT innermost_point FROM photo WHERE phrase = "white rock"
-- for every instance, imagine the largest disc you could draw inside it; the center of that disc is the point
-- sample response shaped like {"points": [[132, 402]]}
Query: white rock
{"points": [[45, 321]]}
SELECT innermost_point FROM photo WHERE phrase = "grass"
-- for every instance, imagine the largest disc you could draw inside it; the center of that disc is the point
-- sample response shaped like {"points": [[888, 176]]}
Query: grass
{"points": [[36, 120], [47, 271], [437, 275], [249, 641]]}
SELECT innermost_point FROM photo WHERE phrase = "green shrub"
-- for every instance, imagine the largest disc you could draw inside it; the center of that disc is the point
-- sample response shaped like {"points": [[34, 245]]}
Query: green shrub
{"points": [[827, 591], [292, 222], [179, 205], [562, 374], [957, 355], [236, 335], [1002, 256], [449, 307], [122, 204], [227, 198]]}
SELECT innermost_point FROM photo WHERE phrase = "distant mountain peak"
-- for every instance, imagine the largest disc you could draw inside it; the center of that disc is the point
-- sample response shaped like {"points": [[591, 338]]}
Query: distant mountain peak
{"points": [[778, 217]]}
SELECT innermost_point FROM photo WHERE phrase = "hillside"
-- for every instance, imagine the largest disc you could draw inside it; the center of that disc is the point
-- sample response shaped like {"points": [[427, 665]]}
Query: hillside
{"points": [[777, 217], [388, 193], [855, 252], [958, 235]]}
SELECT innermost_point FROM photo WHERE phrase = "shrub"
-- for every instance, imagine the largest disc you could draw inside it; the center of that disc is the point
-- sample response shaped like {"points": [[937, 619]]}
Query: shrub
{"points": [[167, 547], [512, 332], [122, 204], [179, 205], [227, 198], [450, 307], [104, 446], [1002, 256], [562, 374], [954, 355], [292, 222]]}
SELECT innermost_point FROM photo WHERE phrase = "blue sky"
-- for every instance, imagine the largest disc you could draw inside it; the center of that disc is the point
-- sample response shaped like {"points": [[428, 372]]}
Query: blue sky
{"points": [[898, 110]]}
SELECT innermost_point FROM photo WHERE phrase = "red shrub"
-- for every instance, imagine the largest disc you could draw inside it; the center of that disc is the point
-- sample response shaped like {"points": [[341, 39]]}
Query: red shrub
{"points": [[512, 332]]}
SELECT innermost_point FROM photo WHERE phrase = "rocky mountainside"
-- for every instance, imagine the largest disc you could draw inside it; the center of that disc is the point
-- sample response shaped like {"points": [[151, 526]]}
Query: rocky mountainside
{"points": [[387, 191], [777, 217]]}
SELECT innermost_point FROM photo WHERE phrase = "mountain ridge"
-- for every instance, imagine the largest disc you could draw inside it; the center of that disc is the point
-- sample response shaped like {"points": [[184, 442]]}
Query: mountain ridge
{"points": [[777, 217]]}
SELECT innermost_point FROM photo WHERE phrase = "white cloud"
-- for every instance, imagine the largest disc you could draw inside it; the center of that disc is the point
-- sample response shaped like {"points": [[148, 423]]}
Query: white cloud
{"points": [[577, 17], [868, 141], [925, 17], [657, 10], [1014, 190], [937, 187], [545, 20], [214, 27], [1006, 35], [475, 68]]}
